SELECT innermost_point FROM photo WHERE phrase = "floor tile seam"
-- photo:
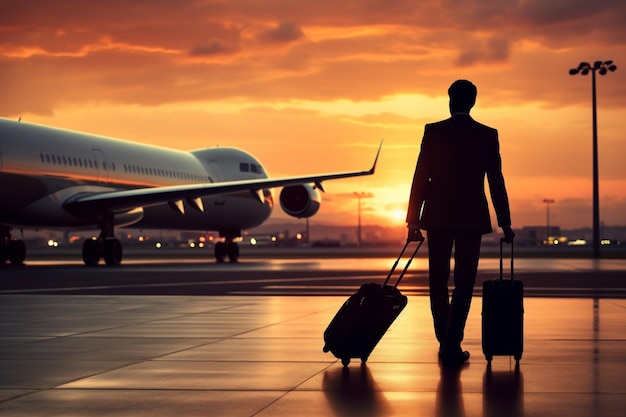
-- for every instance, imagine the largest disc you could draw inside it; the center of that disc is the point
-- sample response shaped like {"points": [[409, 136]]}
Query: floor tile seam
{"points": [[220, 339], [281, 390], [266, 326], [70, 381], [614, 304], [229, 307], [264, 361], [136, 323], [293, 389]]}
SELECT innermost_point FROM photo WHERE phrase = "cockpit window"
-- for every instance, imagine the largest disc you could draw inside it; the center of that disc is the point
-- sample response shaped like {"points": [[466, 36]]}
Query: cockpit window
{"points": [[247, 167]]}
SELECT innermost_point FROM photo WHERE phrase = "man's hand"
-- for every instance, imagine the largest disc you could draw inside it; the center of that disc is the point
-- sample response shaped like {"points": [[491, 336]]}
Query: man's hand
{"points": [[415, 234], [508, 234]]}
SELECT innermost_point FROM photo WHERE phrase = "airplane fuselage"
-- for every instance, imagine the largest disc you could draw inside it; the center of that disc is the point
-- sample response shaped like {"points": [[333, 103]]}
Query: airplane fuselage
{"points": [[41, 167]]}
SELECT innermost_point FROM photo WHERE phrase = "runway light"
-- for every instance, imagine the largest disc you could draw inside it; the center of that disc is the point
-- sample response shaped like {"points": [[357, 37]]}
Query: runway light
{"points": [[158, 245]]}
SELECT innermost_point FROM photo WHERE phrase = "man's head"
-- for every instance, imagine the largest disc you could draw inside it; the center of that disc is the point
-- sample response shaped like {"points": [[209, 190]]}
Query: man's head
{"points": [[462, 95]]}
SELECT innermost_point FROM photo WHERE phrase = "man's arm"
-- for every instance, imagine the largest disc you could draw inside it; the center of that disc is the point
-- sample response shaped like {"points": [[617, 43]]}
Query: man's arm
{"points": [[497, 187], [420, 183]]}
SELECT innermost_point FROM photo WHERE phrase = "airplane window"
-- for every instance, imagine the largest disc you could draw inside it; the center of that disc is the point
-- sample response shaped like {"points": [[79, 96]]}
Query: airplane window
{"points": [[254, 168], [42, 158], [80, 162], [47, 158], [243, 167]]}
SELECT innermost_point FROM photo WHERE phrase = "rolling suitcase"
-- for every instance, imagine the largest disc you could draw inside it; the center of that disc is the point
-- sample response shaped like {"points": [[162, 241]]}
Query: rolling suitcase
{"points": [[503, 315], [365, 316]]}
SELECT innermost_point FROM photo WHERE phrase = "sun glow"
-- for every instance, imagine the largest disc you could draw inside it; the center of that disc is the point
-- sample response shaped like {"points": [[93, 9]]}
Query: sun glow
{"points": [[397, 215]]}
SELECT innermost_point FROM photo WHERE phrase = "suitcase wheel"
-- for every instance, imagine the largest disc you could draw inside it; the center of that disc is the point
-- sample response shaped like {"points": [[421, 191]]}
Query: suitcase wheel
{"points": [[325, 349], [345, 361], [364, 359]]}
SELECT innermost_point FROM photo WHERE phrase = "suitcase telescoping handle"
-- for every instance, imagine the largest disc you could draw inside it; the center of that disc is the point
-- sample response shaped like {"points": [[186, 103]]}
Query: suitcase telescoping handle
{"points": [[395, 264], [502, 240]]}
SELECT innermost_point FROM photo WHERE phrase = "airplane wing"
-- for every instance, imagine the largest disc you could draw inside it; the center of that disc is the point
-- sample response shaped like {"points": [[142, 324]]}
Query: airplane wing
{"points": [[124, 200]]}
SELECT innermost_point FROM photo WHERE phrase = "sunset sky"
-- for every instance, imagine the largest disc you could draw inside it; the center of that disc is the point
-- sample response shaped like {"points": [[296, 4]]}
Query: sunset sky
{"points": [[313, 86]]}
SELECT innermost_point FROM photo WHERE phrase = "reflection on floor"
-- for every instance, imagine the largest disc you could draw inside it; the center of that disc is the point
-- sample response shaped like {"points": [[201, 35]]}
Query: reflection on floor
{"points": [[262, 356]]}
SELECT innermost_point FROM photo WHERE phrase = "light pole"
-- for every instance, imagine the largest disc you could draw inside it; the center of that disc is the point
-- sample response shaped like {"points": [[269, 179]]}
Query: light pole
{"points": [[359, 196], [584, 68], [548, 201]]}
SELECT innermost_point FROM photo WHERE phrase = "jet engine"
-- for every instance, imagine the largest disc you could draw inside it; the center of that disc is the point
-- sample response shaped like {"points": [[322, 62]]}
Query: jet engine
{"points": [[300, 200]]}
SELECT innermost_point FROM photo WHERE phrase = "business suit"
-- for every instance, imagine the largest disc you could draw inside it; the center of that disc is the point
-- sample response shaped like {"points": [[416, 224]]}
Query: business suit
{"points": [[448, 200]]}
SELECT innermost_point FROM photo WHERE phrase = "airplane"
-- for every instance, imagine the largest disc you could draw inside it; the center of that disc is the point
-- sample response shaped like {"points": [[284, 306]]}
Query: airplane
{"points": [[61, 179]]}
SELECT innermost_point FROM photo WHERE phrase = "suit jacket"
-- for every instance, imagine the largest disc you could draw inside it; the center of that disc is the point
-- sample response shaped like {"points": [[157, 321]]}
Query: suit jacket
{"points": [[448, 190]]}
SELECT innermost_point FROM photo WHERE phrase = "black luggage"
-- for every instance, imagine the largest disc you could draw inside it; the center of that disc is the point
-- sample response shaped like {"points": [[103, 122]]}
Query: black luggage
{"points": [[503, 315], [364, 318]]}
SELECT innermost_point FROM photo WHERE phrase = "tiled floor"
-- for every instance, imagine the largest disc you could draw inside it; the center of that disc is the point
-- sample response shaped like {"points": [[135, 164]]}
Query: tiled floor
{"points": [[262, 356]]}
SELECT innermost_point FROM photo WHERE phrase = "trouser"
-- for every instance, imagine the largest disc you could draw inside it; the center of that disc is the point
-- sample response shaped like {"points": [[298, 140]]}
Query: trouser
{"points": [[449, 316]]}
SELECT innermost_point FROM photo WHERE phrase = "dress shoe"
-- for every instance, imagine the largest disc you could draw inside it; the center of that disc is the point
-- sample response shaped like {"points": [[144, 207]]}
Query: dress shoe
{"points": [[455, 358]]}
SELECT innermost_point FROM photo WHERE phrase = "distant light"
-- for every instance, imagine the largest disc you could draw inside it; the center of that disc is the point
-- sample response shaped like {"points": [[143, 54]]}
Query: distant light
{"points": [[53, 243], [555, 242], [192, 244], [140, 238], [158, 245], [577, 242], [299, 236], [274, 239], [201, 244], [605, 242], [253, 241]]}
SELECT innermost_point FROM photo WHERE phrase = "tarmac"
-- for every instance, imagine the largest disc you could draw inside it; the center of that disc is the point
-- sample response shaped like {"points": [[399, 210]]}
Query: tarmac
{"points": [[261, 355]]}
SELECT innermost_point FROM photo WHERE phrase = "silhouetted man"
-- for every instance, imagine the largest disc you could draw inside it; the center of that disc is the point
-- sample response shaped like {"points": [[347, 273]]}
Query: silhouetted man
{"points": [[448, 201]]}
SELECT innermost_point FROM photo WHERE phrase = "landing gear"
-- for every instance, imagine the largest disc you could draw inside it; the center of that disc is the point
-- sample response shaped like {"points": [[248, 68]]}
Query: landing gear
{"points": [[228, 247], [109, 249], [13, 250], [105, 246]]}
